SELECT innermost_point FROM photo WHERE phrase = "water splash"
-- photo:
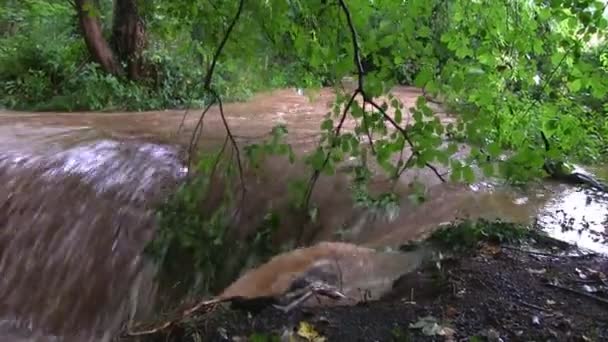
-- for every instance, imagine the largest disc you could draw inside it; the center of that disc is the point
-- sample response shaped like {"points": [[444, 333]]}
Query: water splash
{"points": [[74, 224]]}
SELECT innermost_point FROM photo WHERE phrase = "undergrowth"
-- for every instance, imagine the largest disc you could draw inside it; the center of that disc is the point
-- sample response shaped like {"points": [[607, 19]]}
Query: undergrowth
{"points": [[467, 235], [194, 247], [195, 244], [45, 66]]}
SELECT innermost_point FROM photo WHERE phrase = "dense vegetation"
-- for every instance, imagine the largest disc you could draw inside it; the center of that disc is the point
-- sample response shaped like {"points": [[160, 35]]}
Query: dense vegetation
{"points": [[511, 69]]}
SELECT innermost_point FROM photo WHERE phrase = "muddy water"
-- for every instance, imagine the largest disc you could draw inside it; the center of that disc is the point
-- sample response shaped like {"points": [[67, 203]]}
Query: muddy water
{"points": [[77, 193]]}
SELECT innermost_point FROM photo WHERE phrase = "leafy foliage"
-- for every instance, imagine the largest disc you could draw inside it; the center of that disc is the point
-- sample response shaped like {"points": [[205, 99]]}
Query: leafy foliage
{"points": [[193, 244], [509, 70], [38, 73], [466, 235]]}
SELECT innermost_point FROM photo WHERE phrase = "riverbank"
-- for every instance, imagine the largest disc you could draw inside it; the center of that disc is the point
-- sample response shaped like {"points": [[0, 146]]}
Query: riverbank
{"points": [[543, 290]]}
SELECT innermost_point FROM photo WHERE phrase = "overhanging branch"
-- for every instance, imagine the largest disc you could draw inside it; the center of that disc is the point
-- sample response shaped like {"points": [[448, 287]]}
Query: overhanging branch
{"points": [[207, 87], [366, 100]]}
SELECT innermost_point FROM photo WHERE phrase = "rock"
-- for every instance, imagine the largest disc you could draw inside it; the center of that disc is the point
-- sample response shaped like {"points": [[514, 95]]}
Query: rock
{"points": [[565, 324], [492, 335]]}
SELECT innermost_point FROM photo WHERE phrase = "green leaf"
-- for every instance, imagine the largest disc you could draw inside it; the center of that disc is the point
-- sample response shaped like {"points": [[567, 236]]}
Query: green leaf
{"points": [[398, 116], [356, 110], [575, 85], [443, 158], [456, 175], [386, 41], [318, 159], [327, 125], [468, 174], [494, 149], [452, 148], [424, 32], [488, 170], [423, 78]]}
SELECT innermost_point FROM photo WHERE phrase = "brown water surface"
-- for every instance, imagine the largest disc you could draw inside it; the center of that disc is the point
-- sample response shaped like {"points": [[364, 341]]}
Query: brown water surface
{"points": [[78, 191]]}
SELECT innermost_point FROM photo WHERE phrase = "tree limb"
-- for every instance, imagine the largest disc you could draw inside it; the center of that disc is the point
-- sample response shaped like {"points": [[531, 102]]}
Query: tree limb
{"points": [[216, 98], [366, 99], [207, 83]]}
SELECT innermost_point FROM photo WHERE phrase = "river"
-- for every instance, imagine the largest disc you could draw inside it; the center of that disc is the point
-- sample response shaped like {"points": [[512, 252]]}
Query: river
{"points": [[79, 192]]}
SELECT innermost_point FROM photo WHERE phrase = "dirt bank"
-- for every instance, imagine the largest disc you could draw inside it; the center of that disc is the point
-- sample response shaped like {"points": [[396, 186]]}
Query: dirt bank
{"points": [[530, 293]]}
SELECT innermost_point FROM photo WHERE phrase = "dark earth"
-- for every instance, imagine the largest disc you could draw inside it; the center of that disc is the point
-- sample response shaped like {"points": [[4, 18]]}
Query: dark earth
{"points": [[543, 290]]}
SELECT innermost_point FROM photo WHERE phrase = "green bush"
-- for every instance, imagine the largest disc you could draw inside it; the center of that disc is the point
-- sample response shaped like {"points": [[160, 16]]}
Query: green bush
{"points": [[44, 65], [194, 245], [467, 235]]}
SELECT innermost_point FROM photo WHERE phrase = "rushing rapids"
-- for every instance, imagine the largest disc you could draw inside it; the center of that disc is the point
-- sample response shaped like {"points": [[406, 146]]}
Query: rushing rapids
{"points": [[74, 226], [78, 193]]}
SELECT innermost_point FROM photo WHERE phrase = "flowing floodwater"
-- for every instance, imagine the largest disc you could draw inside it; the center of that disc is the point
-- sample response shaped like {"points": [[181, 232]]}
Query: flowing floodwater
{"points": [[78, 191], [74, 221]]}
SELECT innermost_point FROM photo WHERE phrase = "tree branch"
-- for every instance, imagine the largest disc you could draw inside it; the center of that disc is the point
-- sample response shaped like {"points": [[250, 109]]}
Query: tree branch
{"points": [[216, 98], [360, 71], [406, 137], [198, 130], [366, 99], [355, 41], [231, 137], [317, 173], [207, 83]]}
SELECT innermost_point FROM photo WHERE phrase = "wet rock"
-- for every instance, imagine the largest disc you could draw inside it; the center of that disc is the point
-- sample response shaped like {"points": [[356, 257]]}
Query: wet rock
{"points": [[536, 321], [492, 335]]}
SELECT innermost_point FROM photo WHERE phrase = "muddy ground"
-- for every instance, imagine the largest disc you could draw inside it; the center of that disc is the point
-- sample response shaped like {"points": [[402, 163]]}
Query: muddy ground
{"points": [[534, 292]]}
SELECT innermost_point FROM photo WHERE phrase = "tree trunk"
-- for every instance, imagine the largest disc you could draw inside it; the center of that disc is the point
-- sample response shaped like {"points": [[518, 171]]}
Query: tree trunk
{"points": [[88, 17], [129, 36]]}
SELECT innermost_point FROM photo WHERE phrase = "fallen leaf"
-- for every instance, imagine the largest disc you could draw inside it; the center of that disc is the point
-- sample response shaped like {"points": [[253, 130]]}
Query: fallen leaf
{"points": [[451, 312], [580, 273], [307, 331], [430, 327], [491, 250], [537, 271], [590, 289]]}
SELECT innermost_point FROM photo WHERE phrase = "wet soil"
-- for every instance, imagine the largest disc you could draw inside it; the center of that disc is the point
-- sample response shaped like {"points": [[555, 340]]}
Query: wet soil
{"points": [[496, 293]]}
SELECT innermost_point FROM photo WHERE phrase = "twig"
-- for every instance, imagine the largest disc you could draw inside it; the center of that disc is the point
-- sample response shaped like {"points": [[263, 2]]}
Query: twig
{"points": [[406, 165], [513, 248], [404, 132], [551, 255], [317, 173], [198, 129], [367, 131], [580, 293], [366, 99], [546, 83], [451, 274], [355, 42], [532, 306], [359, 90], [216, 56], [216, 98], [360, 71], [232, 140], [216, 162], [211, 304]]}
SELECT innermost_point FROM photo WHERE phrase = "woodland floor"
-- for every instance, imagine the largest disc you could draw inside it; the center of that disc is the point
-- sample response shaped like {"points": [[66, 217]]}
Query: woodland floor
{"points": [[526, 293]]}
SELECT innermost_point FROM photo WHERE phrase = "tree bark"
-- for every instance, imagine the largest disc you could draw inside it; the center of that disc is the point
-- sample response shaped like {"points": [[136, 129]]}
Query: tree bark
{"points": [[88, 17], [129, 36]]}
